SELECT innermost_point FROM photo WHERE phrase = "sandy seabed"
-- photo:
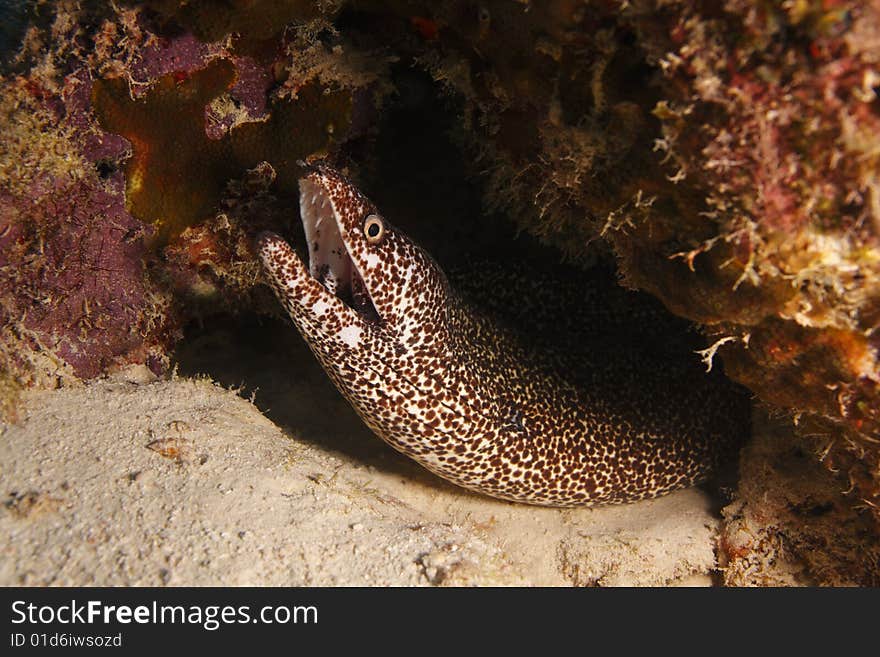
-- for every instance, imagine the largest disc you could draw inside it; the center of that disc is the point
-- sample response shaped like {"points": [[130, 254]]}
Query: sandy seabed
{"points": [[133, 481]]}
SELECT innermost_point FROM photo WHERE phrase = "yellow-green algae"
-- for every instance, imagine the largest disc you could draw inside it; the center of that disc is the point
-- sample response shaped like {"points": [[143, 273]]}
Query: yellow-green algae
{"points": [[176, 174]]}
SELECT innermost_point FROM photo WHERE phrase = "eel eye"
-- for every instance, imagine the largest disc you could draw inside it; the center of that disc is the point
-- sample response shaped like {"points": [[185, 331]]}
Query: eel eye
{"points": [[374, 229]]}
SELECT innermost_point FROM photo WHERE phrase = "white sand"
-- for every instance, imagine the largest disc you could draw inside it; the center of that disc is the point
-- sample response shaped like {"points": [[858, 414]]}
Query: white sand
{"points": [[186, 483]]}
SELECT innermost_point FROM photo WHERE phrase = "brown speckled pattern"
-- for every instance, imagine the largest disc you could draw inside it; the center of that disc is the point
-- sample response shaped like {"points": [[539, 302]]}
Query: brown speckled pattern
{"points": [[464, 397]]}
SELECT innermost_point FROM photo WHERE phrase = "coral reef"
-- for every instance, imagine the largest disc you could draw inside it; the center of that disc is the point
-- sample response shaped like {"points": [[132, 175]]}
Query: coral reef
{"points": [[724, 155], [75, 301], [125, 174], [256, 25], [789, 525], [772, 114]]}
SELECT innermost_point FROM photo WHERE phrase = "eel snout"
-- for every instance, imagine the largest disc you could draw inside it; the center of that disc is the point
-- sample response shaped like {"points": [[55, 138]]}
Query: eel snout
{"points": [[329, 261]]}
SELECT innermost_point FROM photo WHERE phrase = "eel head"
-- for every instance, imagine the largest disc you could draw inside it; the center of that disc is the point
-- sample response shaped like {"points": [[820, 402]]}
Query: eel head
{"points": [[367, 286]]}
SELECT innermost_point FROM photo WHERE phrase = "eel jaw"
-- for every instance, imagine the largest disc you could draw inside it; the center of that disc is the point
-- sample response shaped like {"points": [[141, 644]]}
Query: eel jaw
{"points": [[329, 261]]}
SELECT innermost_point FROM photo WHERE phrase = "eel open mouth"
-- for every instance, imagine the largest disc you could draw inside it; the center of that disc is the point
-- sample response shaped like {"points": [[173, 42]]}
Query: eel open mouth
{"points": [[329, 261]]}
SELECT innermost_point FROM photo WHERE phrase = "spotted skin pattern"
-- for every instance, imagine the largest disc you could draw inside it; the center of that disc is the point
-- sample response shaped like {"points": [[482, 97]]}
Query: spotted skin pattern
{"points": [[465, 397]]}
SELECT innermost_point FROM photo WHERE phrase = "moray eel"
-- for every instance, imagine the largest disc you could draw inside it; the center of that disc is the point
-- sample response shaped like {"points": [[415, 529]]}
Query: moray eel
{"points": [[465, 396]]}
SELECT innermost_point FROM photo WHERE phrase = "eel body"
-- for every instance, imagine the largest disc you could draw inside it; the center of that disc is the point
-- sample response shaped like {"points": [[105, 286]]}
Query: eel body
{"points": [[468, 398]]}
